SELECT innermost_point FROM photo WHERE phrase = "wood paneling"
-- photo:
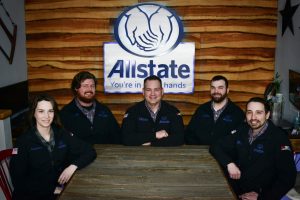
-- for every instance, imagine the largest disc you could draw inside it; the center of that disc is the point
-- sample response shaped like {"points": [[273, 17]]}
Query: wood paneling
{"points": [[232, 37], [5, 114]]}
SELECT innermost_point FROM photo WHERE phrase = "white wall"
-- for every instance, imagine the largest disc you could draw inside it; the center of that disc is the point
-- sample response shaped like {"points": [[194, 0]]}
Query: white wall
{"points": [[17, 71], [288, 56]]}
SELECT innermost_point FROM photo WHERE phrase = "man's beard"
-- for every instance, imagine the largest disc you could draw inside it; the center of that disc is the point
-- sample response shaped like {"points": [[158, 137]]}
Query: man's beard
{"points": [[256, 126], [218, 99], [85, 99]]}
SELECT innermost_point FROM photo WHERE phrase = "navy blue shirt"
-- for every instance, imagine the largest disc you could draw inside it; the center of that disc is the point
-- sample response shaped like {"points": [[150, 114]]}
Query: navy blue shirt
{"points": [[35, 171], [203, 130], [138, 126], [267, 165], [104, 129]]}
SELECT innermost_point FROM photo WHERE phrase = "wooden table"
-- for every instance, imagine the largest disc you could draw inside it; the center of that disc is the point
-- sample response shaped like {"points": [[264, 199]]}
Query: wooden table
{"points": [[132, 173]]}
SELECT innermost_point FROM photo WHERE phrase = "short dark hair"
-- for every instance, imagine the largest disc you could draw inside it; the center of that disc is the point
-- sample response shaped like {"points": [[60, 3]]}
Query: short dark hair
{"points": [[152, 78], [33, 104], [79, 77], [220, 77], [260, 100]]}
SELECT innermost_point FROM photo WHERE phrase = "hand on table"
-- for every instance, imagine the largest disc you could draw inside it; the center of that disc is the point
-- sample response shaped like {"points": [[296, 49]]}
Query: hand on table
{"points": [[67, 174]]}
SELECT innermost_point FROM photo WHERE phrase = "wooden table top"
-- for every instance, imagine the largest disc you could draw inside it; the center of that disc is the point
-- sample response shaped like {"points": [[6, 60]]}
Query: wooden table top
{"points": [[132, 173]]}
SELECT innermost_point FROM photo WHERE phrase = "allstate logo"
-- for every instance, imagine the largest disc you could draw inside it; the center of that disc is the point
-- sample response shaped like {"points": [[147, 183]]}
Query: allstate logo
{"points": [[148, 30]]}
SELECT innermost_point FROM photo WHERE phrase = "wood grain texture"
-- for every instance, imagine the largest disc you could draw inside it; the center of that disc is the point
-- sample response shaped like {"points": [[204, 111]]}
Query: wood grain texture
{"points": [[186, 172], [233, 38], [5, 114]]}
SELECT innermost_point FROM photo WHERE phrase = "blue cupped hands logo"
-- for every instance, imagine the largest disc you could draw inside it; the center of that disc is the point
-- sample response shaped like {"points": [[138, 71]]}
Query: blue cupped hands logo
{"points": [[148, 30]]}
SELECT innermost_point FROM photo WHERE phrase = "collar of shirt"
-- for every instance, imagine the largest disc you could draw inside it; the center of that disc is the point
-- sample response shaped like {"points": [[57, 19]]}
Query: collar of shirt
{"points": [[89, 113], [152, 114], [50, 145], [217, 113], [252, 137]]}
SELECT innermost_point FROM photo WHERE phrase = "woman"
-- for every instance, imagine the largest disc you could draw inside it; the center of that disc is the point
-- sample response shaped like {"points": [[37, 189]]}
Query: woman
{"points": [[47, 155]]}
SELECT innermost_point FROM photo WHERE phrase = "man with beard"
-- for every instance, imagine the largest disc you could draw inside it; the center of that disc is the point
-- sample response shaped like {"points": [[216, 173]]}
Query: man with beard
{"points": [[85, 117], [153, 122], [257, 158], [216, 118]]}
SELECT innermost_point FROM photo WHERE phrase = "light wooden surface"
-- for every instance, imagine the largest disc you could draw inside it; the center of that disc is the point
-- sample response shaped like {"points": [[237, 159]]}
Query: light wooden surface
{"points": [[132, 173]]}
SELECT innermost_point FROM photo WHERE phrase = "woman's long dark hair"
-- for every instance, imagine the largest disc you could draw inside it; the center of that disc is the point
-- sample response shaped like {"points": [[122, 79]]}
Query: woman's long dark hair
{"points": [[34, 102]]}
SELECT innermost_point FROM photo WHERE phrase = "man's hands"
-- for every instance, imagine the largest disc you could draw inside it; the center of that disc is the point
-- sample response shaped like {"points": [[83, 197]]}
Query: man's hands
{"points": [[234, 171], [67, 174], [249, 196], [161, 134]]}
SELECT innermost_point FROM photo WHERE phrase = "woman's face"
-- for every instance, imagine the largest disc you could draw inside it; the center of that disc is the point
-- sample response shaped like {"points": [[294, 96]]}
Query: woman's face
{"points": [[44, 114]]}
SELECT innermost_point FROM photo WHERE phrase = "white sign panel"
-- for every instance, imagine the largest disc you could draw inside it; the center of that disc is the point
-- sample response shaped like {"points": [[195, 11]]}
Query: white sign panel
{"points": [[125, 72]]}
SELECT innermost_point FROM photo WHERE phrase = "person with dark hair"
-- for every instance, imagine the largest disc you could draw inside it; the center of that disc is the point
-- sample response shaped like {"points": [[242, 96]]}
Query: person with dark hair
{"points": [[153, 122], [257, 158], [47, 156], [216, 118], [87, 118]]}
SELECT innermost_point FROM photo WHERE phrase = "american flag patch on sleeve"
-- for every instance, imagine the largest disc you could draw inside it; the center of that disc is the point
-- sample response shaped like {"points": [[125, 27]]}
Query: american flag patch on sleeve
{"points": [[285, 148], [15, 151]]}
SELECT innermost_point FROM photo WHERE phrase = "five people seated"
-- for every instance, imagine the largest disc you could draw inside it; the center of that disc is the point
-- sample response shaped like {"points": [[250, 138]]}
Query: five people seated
{"points": [[256, 156]]}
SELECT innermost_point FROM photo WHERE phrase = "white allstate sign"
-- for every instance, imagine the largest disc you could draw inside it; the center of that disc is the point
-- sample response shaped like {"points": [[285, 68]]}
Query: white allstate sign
{"points": [[148, 39], [125, 72]]}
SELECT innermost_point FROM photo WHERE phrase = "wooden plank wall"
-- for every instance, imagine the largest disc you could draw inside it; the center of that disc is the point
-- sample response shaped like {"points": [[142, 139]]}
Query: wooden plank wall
{"points": [[234, 38]]}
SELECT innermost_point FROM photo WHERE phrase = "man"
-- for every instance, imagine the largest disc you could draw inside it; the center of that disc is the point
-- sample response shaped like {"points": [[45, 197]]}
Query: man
{"points": [[216, 118], [85, 117], [257, 157], [153, 121]]}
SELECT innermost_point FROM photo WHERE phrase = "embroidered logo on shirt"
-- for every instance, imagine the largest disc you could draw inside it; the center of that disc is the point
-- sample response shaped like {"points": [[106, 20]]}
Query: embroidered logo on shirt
{"points": [[227, 118], [61, 145], [164, 120], [142, 119], [285, 148], [239, 142], [259, 149], [126, 115], [36, 148], [205, 116], [102, 114]]}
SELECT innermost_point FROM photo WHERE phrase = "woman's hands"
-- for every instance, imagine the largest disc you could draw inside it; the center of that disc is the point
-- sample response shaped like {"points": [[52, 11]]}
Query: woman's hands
{"points": [[67, 174]]}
